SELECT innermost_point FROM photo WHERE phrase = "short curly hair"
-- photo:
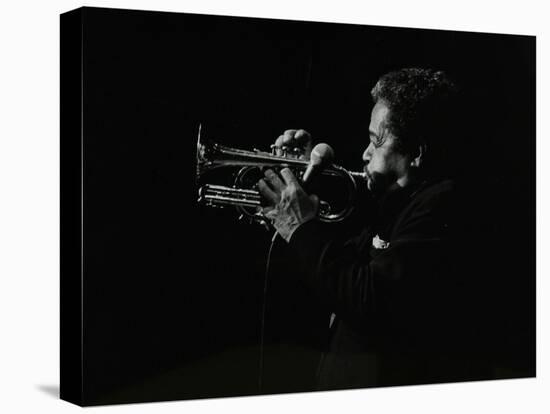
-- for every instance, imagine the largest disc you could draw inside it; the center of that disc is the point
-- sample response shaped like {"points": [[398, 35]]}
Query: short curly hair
{"points": [[422, 105]]}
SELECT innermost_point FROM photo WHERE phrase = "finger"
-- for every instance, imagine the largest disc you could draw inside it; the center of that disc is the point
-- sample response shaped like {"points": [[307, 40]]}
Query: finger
{"points": [[289, 177], [315, 200], [279, 144], [299, 139], [268, 193], [269, 212], [296, 137], [302, 136], [306, 142], [288, 137], [274, 181]]}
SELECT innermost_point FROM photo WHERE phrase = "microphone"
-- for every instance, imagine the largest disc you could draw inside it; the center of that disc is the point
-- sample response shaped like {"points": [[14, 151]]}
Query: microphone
{"points": [[321, 155]]}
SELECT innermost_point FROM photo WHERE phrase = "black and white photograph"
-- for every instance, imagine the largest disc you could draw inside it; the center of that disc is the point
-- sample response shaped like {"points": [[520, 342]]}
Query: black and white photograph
{"points": [[244, 207], [275, 206]]}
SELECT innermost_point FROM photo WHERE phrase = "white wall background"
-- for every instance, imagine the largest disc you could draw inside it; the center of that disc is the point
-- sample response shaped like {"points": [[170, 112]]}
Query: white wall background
{"points": [[29, 207]]}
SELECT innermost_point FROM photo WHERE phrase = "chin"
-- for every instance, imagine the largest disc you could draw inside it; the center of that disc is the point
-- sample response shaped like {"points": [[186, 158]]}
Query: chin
{"points": [[377, 188], [370, 184], [374, 187]]}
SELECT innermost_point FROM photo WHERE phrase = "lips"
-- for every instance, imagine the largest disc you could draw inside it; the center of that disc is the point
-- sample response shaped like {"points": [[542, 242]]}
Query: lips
{"points": [[367, 174]]}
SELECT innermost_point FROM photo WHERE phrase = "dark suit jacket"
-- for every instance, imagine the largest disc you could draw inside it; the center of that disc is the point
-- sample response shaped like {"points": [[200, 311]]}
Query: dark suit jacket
{"points": [[398, 305]]}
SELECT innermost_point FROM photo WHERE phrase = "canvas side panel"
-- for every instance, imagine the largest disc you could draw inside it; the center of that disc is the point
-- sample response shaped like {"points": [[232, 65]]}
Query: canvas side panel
{"points": [[71, 247]]}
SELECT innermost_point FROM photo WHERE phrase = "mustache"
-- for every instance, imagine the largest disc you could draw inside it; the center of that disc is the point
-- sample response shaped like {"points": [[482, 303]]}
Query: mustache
{"points": [[367, 172]]}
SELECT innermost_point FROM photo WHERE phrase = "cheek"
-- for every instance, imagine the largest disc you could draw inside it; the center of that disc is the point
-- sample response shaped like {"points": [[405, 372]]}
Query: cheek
{"points": [[378, 162], [396, 163]]}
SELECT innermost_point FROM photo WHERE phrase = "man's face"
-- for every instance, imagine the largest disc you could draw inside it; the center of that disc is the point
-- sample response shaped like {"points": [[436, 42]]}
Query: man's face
{"points": [[385, 166]]}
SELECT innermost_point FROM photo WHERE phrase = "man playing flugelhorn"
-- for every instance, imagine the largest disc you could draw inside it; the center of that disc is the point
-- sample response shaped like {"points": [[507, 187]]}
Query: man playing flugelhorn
{"points": [[391, 289]]}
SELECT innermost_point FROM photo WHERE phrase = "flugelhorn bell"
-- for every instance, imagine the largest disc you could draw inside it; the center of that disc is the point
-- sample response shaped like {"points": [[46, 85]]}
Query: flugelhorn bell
{"points": [[335, 186]]}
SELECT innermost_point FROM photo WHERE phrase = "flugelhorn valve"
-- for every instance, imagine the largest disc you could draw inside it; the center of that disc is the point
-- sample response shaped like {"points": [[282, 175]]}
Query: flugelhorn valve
{"points": [[247, 199]]}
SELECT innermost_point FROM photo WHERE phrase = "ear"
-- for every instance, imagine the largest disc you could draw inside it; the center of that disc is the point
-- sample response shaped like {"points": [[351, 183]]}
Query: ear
{"points": [[419, 157]]}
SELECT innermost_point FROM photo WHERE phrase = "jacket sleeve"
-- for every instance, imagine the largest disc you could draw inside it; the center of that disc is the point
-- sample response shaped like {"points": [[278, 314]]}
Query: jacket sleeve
{"points": [[399, 282]]}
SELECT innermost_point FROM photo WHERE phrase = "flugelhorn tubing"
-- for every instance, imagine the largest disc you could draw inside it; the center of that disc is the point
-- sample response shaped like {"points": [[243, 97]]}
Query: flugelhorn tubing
{"points": [[217, 156], [212, 156], [220, 195], [358, 175]]}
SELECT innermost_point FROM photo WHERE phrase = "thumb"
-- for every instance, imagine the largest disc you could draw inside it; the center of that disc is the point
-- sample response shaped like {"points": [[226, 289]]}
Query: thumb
{"points": [[315, 200]]}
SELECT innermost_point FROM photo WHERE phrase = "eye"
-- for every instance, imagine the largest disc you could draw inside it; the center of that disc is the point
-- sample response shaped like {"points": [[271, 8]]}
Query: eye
{"points": [[377, 143]]}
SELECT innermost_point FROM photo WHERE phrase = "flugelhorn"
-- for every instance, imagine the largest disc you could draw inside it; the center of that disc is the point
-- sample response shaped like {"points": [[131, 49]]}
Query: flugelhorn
{"points": [[335, 186]]}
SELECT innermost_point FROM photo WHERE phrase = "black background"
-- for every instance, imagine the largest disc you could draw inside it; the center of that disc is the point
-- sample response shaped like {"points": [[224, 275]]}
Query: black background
{"points": [[172, 290]]}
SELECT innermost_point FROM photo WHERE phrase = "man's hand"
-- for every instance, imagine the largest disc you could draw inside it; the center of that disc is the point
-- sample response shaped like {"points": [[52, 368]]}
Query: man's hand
{"points": [[298, 139], [288, 204]]}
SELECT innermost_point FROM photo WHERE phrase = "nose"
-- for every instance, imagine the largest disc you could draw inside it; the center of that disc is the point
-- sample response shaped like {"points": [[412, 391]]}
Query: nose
{"points": [[368, 153]]}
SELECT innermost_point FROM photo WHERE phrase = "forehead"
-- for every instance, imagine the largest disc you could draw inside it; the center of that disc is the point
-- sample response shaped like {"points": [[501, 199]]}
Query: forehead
{"points": [[378, 116]]}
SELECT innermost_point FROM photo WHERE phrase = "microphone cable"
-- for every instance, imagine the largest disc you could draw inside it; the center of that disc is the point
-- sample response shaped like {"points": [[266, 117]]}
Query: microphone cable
{"points": [[264, 306]]}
